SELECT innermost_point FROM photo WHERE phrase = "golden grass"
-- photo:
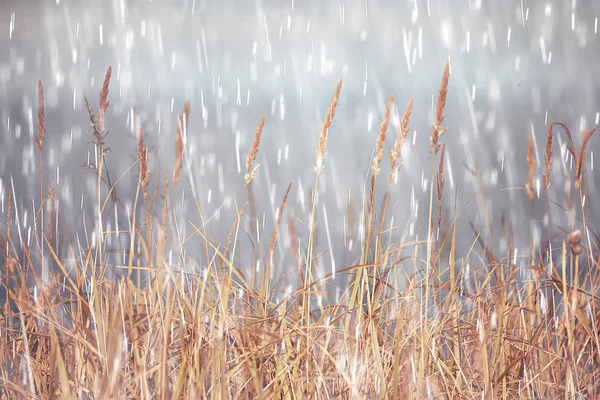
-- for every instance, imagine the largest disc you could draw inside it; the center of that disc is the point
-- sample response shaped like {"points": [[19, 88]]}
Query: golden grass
{"points": [[494, 330]]}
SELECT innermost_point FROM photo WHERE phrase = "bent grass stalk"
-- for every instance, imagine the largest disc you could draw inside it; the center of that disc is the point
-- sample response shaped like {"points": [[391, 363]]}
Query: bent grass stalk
{"points": [[437, 132], [320, 155]]}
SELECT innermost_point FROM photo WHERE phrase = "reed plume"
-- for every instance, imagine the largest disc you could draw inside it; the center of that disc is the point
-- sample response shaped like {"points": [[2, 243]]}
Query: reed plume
{"points": [[143, 157], [548, 158], [438, 131], [104, 103], [321, 151], [41, 123], [41, 132], [396, 151], [273, 241], [531, 164], [381, 138], [379, 151], [251, 173]]}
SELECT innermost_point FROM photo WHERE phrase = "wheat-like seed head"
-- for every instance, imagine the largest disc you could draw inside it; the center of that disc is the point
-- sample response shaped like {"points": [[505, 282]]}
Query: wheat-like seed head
{"points": [[381, 138], [273, 241], [531, 164], [548, 158], [251, 173], [104, 103], [41, 128], [143, 156], [438, 131], [396, 151], [321, 151]]}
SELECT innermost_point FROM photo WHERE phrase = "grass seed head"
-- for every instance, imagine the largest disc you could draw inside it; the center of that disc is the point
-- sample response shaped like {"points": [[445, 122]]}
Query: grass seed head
{"points": [[41, 122], [438, 131], [143, 157], [251, 173], [104, 103], [531, 164], [321, 151], [181, 132], [381, 138], [548, 158], [581, 156]]}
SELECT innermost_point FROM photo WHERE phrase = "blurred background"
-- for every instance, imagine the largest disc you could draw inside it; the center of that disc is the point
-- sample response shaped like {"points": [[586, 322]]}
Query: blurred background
{"points": [[516, 65]]}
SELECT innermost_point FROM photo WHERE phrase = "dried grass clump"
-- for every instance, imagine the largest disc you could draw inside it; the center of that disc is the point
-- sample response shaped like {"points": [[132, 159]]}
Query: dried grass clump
{"points": [[491, 329]]}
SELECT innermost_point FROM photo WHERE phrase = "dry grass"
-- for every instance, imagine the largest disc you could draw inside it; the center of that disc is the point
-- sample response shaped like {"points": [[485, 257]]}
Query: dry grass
{"points": [[396, 151], [531, 165], [251, 172], [493, 330], [181, 133]]}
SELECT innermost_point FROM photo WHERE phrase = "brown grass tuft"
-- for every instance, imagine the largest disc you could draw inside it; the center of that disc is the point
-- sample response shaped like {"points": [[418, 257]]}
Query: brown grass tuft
{"points": [[251, 173], [438, 131], [321, 152]]}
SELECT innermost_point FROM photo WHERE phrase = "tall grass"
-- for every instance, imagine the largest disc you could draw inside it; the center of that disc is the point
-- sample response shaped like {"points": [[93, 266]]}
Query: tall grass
{"points": [[171, 333]]}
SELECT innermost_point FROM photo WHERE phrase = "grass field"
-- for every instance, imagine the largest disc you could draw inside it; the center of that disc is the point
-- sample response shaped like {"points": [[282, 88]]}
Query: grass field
{"points": [[164, 332]]}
